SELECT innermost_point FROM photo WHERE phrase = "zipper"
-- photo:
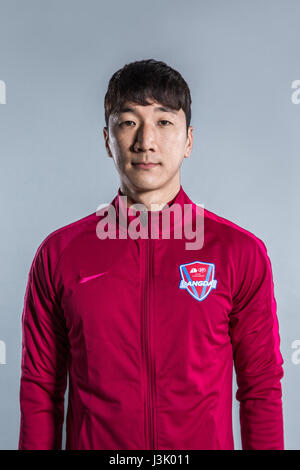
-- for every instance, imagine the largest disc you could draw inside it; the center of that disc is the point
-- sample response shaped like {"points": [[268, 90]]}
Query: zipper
{"points": [[149, 362]]}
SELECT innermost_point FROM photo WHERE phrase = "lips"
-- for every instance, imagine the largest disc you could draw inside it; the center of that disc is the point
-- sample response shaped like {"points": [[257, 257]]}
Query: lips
{"points": [[145, 165]]}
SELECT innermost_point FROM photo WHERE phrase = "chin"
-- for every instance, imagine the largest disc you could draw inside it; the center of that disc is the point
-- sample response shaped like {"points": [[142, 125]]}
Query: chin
{"points": [[146, 181]]}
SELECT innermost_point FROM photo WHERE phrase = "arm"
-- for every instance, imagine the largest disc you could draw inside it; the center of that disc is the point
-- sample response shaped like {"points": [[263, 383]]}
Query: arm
{"points": [[44, 361], [256, 353]]}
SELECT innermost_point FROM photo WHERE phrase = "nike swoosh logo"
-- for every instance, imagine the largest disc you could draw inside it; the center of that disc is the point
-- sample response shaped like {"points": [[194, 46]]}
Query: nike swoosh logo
{"points": [[88, 278]]}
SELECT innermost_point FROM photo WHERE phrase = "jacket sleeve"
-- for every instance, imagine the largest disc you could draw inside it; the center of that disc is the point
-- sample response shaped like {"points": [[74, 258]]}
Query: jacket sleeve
{"points": [[44, 361], [258, 362]]}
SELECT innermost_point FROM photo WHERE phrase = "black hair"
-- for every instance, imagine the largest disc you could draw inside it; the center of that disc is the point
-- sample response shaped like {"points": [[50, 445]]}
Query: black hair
{"points": [[144, 79]]}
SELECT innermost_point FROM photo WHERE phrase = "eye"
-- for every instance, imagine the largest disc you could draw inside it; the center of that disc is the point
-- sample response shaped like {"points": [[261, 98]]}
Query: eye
{"points": [[125, 122], [164, 120]]}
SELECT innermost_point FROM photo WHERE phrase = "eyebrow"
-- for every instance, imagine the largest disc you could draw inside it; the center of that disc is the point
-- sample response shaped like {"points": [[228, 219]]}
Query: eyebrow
{"points": [[158, 108]]}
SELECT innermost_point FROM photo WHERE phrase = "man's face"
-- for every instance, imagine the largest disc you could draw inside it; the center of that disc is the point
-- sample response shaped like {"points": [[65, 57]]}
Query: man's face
{"points": [[148, 134]]}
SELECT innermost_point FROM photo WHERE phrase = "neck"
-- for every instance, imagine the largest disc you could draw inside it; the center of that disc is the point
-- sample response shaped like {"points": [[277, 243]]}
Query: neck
{"points": [[160, 197]]}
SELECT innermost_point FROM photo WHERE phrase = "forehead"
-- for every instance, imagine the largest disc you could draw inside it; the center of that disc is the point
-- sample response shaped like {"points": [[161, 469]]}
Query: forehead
{"points": [[131, 107]]}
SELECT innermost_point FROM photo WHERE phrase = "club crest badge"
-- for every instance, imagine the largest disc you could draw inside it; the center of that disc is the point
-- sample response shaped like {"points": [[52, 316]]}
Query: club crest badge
{"points": [[198, 279]]}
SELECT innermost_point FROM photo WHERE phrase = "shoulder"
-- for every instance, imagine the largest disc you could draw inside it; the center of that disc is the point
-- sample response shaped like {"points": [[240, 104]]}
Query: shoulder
{"points": [[233, 235], [245, 253], [53, 245]]}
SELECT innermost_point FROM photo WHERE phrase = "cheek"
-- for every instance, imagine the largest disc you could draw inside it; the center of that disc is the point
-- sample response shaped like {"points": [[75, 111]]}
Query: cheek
{"points": [[175, 142], [121, 156], [119, 145], [171, 164], [174, 150]]}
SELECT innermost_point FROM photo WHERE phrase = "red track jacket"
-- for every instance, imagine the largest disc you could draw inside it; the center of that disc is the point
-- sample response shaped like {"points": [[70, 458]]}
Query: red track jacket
{"points": [[148, 332]]}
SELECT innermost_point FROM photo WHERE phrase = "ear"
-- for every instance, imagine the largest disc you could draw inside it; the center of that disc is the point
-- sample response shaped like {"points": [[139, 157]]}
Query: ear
{"points": [[106, 139], [189, 142]]}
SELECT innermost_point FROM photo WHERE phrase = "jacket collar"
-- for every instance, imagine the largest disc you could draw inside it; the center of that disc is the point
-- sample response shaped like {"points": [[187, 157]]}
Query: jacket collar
{"points": [[154, 224]]}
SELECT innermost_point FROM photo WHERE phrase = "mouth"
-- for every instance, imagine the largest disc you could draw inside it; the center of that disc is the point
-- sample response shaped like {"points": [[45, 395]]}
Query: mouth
{"points": [[145, 166]]}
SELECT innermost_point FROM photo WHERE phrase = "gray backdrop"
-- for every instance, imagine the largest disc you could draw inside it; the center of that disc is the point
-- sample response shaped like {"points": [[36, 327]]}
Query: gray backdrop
{"points": [[240, 59]]}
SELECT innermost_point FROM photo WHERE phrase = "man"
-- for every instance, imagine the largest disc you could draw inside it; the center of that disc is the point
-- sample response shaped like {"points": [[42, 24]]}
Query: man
{"points": [[148, 326]]}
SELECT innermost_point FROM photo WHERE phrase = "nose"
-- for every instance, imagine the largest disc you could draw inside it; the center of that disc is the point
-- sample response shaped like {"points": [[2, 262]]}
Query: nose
{"points": [[145, 138]]}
